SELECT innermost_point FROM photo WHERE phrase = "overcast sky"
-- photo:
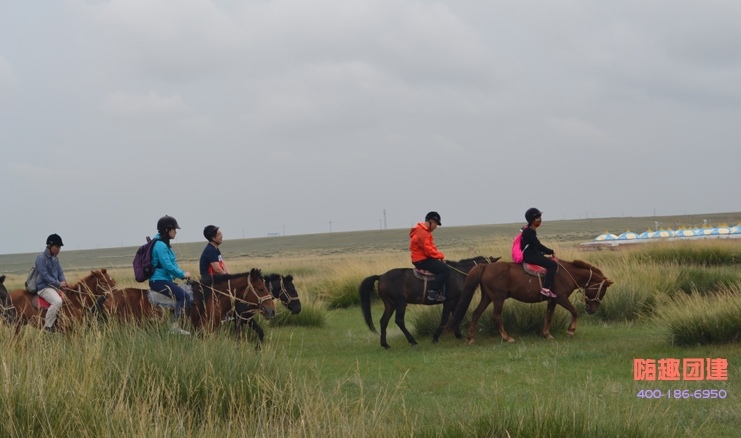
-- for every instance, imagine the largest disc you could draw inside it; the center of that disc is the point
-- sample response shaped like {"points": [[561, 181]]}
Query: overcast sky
{"points": [[260, 115]]}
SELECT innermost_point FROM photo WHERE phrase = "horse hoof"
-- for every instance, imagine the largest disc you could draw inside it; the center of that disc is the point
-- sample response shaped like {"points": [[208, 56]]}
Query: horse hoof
{"points": [[570, 334], [510, 340], [434, 341], [386, 346], [458, 336], [471, 341], [548, 336]]}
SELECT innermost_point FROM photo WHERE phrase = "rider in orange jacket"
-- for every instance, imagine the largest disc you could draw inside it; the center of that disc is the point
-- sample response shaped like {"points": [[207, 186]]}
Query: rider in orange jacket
{"points": [[426, 256]]}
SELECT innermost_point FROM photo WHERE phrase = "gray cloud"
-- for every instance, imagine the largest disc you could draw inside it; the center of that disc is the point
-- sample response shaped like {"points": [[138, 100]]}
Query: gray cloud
{"points": [[260, 114]]}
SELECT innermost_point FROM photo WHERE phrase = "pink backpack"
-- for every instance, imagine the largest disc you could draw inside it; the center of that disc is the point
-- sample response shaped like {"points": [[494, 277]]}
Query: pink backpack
{"points": [[517, 250]]}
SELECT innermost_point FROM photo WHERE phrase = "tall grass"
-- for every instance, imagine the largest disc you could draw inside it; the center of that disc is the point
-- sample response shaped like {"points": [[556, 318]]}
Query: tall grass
{"points": [[697, 319], [691, 253], [517, 318], [705, 280], [312, 315]]}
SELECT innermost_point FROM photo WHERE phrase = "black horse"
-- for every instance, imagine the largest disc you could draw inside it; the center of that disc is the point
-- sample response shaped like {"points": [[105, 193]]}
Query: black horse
{"points": [[283, 289], [6, 306], [399, 287]]}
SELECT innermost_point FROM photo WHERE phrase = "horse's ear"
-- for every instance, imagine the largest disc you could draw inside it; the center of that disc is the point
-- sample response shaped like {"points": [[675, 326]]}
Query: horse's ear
{"points": [[288, 278], [2, 279], [609, 282], [104, 270]]}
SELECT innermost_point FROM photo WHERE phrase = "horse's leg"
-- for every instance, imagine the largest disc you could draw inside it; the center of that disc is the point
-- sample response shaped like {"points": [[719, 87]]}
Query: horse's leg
{"points": [[256, 327], [548, 319], [566, 304], [483, 304], [447, 309], [401, 309], [385, 318], [497, 317]]}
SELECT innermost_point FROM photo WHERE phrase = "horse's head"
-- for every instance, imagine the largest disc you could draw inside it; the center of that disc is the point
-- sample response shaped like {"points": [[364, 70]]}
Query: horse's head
{"points": [[595, 285], [101, 283], [259, 294], [282, 288]]}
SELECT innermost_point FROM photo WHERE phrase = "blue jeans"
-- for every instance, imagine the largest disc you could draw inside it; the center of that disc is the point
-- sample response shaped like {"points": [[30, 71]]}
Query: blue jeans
{"points": [[172, 290]]}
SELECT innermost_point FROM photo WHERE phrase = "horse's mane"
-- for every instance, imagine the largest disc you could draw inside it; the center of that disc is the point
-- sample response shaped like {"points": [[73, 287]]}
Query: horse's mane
{"points": [[471, 260], [272, 277], [585, 265], [227, 277], [82, 280]]}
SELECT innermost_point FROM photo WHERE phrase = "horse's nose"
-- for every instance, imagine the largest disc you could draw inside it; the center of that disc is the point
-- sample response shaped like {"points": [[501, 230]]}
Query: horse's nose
{"points": [[268, 313], [296, 309]]}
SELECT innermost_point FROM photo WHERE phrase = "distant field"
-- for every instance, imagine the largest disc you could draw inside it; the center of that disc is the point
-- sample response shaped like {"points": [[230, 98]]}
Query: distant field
{"points": [[323, 373], [381, 241]]}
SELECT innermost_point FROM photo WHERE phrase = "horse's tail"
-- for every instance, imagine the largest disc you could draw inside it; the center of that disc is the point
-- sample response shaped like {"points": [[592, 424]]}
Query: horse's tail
{"points": [[472, 283], [366, 289]]}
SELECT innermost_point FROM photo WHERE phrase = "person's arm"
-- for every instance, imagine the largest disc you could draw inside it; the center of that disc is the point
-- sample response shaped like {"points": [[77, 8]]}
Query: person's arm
{"points": [[430, 250], [217, 269], [535, 242], [166, 261]]}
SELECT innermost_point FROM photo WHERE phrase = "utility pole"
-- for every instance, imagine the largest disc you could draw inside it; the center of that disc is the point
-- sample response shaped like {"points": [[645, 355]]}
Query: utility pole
{"points": [[384, 220]]}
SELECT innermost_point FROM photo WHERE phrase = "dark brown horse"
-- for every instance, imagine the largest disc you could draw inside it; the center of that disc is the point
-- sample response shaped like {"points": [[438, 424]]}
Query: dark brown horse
{"points": [[6, 306], [245, 294], [79, 299], [509, 280], [281, 288], [399, 287]]}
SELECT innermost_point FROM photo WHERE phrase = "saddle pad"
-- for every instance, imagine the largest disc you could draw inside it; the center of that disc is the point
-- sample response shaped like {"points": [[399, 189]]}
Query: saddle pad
{"points": [[421, 274], [39, 303], [535, 270], [162, 300]]}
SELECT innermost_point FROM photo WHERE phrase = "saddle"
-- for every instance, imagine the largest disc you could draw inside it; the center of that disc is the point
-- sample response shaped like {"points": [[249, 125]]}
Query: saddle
{"points": [[162, 300], [535, 270], [39, 303], [423, 274]]}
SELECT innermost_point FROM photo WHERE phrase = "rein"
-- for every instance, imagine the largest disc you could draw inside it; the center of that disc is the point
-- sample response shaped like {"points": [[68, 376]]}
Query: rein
{"points": [[583, 290], [234, 299], [488, 260]]}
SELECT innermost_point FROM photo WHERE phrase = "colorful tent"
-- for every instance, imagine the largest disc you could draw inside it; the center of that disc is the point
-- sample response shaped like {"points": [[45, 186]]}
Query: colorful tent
{"points": [[647, 234], [606, 236], [662, 233], [683, 232], [628, 235], [736, 229]]}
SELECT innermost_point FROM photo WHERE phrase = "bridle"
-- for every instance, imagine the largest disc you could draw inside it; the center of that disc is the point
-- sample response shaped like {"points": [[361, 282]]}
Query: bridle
{"points": [[234, 299], [583, 289], [283, 291]]}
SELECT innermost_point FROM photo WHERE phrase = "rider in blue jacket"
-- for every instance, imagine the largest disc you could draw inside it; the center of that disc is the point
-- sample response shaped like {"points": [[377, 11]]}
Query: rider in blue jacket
{"points": [[167, 269]]}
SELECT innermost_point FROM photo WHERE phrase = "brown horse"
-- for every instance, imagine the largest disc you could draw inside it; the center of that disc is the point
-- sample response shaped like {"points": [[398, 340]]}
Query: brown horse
{"points": [[130, 305], [399, 287], [245, 294], [78, 299], [500, 281]]}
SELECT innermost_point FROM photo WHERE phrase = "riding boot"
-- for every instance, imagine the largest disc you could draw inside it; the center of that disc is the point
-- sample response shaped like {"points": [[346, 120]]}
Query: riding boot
{"points": [[434, 295], [175, 329]]}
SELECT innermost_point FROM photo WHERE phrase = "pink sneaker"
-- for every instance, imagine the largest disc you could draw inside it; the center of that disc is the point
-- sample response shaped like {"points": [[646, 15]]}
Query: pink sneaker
{"points": [[548, 293]]}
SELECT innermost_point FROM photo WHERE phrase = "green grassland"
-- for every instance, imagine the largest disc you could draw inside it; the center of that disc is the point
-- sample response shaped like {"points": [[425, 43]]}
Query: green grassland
{"points": [[326, 375]]}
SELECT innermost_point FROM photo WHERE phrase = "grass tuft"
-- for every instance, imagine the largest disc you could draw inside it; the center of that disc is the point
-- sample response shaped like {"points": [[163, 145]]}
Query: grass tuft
{"points": [[696, 319]]}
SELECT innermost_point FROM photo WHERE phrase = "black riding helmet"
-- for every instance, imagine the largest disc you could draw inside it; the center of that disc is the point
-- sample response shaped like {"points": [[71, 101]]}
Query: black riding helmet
{"points": [[433, 215], [54, 240], [531, 214], [210, 232], [165, 224]]}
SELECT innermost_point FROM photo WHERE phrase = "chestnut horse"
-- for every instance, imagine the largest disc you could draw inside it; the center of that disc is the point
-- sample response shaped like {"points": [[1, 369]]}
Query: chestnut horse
{"points": [[130, 305], [80, 297], [509, 280], [399, 287], [245, 294], [282, 289]]}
